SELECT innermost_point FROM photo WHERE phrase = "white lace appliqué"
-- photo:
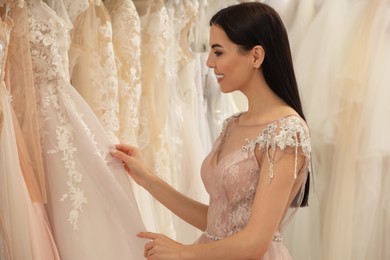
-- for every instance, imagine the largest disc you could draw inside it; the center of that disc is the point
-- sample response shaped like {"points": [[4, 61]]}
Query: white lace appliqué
{"points": [[286, 132], [127, 46], [232, 195], [49, 42]]}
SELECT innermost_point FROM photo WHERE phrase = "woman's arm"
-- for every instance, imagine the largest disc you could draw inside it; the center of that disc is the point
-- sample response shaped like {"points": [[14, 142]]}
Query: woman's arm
{"points": [[191, 211], [268, 208], [253, 241]]}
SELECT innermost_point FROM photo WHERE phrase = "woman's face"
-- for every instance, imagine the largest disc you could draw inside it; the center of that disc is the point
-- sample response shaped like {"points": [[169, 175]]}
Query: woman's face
{"points": [[232, 67]]}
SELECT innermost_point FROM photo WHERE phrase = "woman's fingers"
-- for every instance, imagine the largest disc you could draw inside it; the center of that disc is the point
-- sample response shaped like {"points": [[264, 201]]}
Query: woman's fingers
{"points": [[120, 155], [148, 250], [148, 247], [149, 235], [125, 148]]}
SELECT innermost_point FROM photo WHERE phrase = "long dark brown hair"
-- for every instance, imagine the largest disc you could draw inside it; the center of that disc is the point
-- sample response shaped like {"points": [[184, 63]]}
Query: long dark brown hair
{"points": [[253, 23]]}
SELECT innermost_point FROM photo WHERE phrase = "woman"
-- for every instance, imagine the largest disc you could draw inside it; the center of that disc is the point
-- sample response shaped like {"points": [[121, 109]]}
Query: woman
{"points": [[257, 171]]}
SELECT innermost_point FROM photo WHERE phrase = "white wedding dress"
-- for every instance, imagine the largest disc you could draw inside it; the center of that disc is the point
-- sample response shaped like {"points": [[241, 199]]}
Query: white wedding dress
{"points": [[91, 206], [126, 38]]}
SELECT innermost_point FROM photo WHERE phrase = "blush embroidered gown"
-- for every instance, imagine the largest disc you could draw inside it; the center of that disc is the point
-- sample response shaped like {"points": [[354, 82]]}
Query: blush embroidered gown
{"points": [[231, 175], [91, 205]]}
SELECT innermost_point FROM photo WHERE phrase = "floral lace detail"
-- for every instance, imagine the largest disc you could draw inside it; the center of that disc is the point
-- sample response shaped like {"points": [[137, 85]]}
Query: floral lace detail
{"points": [[154, 115], [74, 8], [232, 183], [105, 83], [162, 164], [97, 59], [286, 132], [49, 45], [158, 22], [127, 47], [154, 132]]}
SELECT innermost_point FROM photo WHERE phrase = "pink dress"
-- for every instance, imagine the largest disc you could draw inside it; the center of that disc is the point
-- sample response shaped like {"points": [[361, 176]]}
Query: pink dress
{"points": [[231, 174]]}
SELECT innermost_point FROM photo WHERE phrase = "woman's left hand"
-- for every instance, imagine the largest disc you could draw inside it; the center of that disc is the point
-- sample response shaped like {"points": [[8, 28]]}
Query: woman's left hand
{"points": [[161, 247]]}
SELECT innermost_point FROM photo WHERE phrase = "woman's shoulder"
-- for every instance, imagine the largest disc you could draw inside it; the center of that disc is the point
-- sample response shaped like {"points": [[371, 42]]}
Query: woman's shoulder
{"points": [[287, 131], [283, 132]]}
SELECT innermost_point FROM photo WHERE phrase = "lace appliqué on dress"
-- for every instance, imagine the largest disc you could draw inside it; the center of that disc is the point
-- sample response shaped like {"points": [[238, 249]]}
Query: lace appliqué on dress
{"points": [[283, 133], [49, 41], [126, 38]]}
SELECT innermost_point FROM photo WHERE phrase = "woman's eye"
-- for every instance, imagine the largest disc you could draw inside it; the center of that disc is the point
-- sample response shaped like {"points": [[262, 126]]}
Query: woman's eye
{"points": [[218, 53]]}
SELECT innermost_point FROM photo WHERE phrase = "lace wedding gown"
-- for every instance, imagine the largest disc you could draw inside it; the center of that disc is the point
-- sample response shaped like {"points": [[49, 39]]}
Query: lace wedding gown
{"points": [[126, 36], [24, 228], [75, 8], [127, 47], [19, 80], [153, 137], [231, 175], [93, 71], [14, 228], [186, 144], [90, 202]]}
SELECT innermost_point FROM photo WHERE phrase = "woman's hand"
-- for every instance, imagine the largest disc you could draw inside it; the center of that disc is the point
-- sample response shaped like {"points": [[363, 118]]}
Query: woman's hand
{"points": [[133, 162], [161, 247]]}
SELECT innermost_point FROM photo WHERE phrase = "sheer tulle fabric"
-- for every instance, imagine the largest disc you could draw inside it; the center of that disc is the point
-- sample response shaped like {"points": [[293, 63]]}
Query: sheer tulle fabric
{"points": [[374, 153], [24, 229], [13, 213], [13, 192], [19, 80], [361, 79], [90, 202], [318, 86], [42, 242], [351, 153]]}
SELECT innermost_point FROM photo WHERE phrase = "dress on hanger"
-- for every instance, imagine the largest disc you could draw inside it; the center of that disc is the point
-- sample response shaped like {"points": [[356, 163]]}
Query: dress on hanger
{"points": [[126, 30], [93, 71], [231, 175], [13, 213], [91, 205], [19, 79], [127, 48], [74, 8], [358, 194], [184, 101], [154, 135], [14, 217]]}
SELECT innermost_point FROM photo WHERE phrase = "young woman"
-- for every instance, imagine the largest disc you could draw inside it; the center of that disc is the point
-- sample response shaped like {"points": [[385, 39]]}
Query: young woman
{"points": [[257, 172]]}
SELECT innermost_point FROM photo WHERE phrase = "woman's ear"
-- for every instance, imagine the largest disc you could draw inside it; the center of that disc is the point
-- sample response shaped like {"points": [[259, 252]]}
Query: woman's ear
{"points": [[258, 56]]}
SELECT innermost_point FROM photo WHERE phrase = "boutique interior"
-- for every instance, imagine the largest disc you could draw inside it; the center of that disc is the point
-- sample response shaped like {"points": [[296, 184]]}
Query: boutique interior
{"points": [[79, 76]]}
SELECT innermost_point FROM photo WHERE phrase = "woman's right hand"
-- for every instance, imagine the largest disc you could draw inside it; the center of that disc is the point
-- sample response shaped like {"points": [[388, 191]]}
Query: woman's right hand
{"points": [[133, 162]]}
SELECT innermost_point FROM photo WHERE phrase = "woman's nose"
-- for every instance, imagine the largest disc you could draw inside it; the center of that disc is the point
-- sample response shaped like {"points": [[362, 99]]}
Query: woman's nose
{"points": [[210, 61]]}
